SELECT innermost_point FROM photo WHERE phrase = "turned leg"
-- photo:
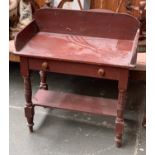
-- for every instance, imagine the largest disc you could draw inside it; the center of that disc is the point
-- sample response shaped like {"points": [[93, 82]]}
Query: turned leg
{"points": [[120, 109], [120, 117], [43, 83], [29, 108]]}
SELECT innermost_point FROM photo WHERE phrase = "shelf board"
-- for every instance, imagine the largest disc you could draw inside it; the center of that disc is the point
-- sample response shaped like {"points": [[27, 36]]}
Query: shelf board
{"points": [[69, 101]]}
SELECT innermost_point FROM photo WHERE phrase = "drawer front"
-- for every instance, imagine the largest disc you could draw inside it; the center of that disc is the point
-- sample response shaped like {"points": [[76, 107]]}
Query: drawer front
{"points": [[74, 68]]}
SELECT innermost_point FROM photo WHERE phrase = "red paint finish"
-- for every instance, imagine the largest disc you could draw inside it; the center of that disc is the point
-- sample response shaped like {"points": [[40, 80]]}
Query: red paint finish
{"points": [[85, 43], [80, 48]]}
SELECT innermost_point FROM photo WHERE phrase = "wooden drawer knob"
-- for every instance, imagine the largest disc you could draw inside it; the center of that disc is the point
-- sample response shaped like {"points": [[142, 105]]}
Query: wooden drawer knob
{"points": [[101, 72], [44, 66]]}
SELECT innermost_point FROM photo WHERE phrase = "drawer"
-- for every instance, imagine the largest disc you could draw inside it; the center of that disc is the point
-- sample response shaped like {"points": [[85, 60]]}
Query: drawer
{"points": [[75, 68]]}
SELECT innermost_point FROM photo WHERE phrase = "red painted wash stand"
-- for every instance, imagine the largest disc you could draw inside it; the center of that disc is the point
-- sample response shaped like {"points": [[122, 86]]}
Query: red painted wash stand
{"points": [[85, 43]]}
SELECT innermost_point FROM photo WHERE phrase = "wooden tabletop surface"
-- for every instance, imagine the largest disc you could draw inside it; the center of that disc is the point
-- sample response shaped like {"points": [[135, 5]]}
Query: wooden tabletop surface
{"points": [[79, 48]]}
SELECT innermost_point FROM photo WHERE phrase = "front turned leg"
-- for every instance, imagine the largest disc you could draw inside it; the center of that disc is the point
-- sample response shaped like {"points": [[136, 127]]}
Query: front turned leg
{"points": [[120, 118], [43, 83], [122, 87], [29, 108]]}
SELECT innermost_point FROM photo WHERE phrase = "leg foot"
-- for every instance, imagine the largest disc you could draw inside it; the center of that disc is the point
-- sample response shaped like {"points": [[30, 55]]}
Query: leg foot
{"points": [[29, 114], [30, 128], [119, 132], [118, 144]]}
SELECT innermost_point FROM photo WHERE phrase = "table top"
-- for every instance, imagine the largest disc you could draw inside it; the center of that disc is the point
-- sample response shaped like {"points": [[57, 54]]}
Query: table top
{"points": [[79, 48]]}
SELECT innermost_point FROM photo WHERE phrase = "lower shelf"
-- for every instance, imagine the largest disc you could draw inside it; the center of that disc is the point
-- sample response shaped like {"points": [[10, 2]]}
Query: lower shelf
{"points": [[69, 101]]}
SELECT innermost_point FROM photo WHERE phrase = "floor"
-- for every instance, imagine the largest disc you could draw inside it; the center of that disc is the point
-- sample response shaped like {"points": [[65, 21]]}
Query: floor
{"points": [[60, 132]]}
